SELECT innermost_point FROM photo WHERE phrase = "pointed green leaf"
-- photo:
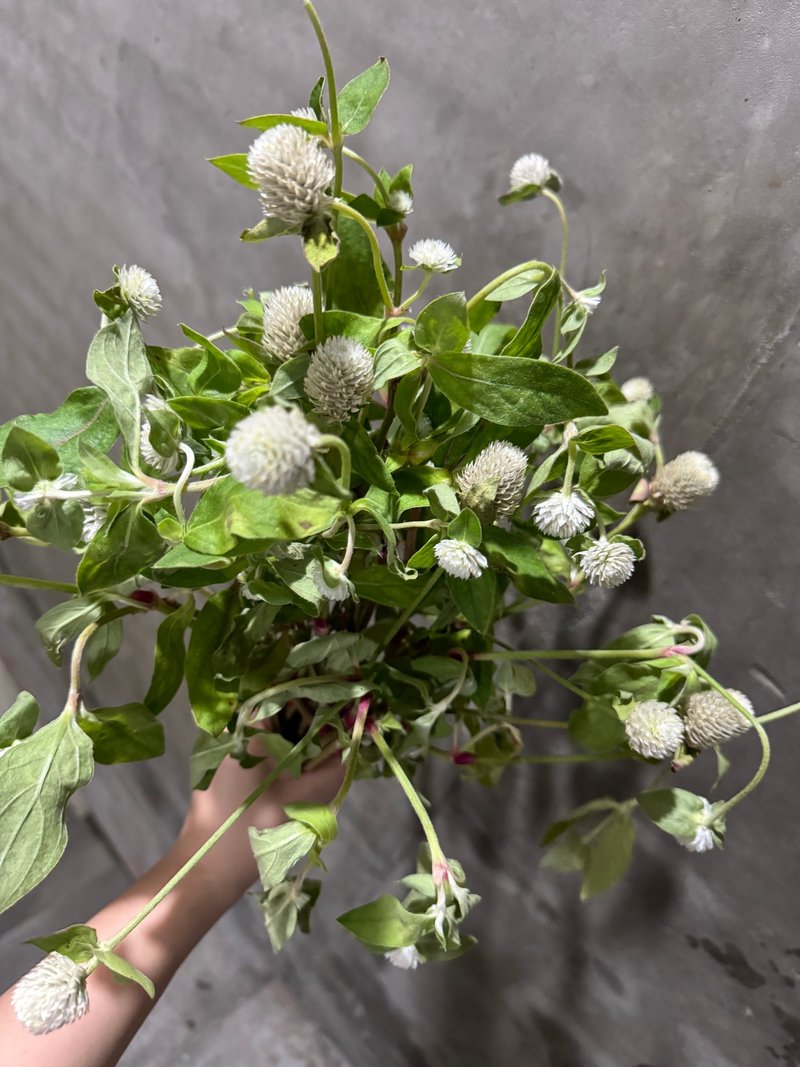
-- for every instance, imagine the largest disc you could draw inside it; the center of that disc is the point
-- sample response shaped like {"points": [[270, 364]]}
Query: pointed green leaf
{"points": [[117, 362], [120, 550], [278, 848], [27, 459], [359, 98], [385, 923], [235, 166]]}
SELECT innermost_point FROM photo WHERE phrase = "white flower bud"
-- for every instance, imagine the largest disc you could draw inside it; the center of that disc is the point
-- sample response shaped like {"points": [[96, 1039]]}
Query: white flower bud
{"points": [[273, 450], [531, 169], [292, 171], [607, 564], [339, 381], [703, 838], [492, 484], [588, 301], [139, 290], [654, 729], [687, 478], [283, 310], [459, 559], [51, 995], [331, 583], [710, 719], [637, 389], [401, 201], [563, 516], [438, 257], [407, 959], [153, 458], [44, 491]]}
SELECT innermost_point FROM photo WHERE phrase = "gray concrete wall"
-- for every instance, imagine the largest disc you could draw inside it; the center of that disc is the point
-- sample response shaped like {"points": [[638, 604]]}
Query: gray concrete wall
{"points": [[675, 126]]}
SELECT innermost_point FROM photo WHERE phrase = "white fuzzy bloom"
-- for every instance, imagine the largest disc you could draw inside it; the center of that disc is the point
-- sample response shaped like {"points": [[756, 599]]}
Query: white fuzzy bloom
{"points": [[44, 491], [304, 113], [703, 839], [292, 171], [139, 290], [283, 310], [153, 458], [51, 995], [459, 559], [273, 450], [436, 256], [687, 478], [588, 301], [531, 169], [339, 381], [710, 719], [401, 201], [607, 563], [493, 483], [407, 959], [563, 516], [654, 729], [331, 583], [637, 389]]}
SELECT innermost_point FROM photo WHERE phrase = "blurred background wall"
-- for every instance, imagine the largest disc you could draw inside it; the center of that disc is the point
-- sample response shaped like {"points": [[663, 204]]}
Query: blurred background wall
{"points": [[675, 127]]}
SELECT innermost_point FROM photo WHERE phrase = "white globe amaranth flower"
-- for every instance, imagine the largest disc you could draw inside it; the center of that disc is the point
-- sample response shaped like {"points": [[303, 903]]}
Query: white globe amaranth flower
{"points": [[152, 457], [401, 201], [331, 582], [459, 559], [607, 563], [283, 310], [637, 389], [44, 491], [589, 302], [531, 169], [304, 113], [654, 729], [493, 483], [702, 839], [407, 959], [687, 478], [563, 515], [710, 719], [339, 380], [435, 256], [272, 450], [139, 290], [292, 171], [51, 995]]}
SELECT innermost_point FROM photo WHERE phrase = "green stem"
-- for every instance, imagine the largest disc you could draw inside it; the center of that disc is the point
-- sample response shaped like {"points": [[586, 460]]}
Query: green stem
{"points": [[333, 103], [564, 228], [403, 618], [413, 797], [426, 278], [781, 713], [397, 234], [377, 258], [281, 687], [215, 464], [316, 292], [356, 158], [352, 759], [636, 512], [495, 283], [180, 485], [572, 452], [562, 681], [612, 654], [21, 582], [328, 440]]}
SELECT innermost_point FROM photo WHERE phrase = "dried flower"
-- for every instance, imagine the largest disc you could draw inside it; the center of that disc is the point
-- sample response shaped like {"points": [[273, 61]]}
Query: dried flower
{"points": [[283, 310], [637, 389], [710, 719], [492, 484], [139, 289], [407, 959], [563, 515], [459, 559], [654, 729], [682, 481], [531, 169], [607, 563], [330, 580], [272, 450], [703, 838], [438, 257], [44, 491], [292, 171], [155, 405], [339, 380], [401, 201], [51, 995]]}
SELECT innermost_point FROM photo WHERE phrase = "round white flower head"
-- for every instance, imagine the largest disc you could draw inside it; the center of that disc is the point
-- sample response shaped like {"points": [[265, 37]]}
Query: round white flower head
{"points": [[710, 719], [283, 309], [531, 169], [139, 290], [304, 113], [331, 583], [407, 959], [153, 458], [401, 201], [563, 516], [607, 563], [433, 255], [459, 559], [51, 995], [492, 484], [44, 491], [273, 450], [292, 171], [654, 729], [703, 839], [339, 380], [687, 478], [637, 389]]}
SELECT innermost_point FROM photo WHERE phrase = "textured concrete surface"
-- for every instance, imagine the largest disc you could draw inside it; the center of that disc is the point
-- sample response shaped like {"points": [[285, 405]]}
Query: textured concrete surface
{"points": [[675, 127]]}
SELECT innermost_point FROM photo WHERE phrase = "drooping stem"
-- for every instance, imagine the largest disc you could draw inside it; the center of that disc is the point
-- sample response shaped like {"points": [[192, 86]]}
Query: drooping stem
{"points": [[636, 512], [333, 103], [351, 544], [781, 713], [355, 748], [356, 158], [495, 283], [328, 440], [564, 229], [572, 452], [316, 293], [377, 258], [426, 278], [413, 797], [180, 485]]}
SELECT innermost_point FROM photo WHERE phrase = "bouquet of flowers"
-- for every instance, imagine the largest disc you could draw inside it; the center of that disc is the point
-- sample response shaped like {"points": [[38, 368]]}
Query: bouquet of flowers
{"points": [[333, 504]]}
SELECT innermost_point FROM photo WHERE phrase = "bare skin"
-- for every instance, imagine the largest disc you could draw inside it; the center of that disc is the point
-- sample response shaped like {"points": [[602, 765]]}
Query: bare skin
{"points": [[165, 938]]}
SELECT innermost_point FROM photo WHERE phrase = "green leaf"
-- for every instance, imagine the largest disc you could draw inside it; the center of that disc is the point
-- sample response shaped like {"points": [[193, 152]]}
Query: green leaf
{"points": [[359, 98], [20, 719], [58, 522], [367, 463], [123, 734], [321, 248], [596, 726], [394, 359], [520, 284], [266, 122], [278, 848], [363, 328], [170, 657], [37, 778], [610, 848], [602, 439], [382, 586], [117, 362], [475, 598], [63, 622], [517, 554], [675, 811], [78, 942], [443, 326], [125, 970], [267, 228], [120, 550], [351, 281], [289, 380], [282, 518], [527, 340], [280, 907], [103, 645], [235, 166], [207, 754], [385, 924], [27, 459], [317, 817], [514, 392], [207, 413], [85, 417], [212, 707], [466, 527]]}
